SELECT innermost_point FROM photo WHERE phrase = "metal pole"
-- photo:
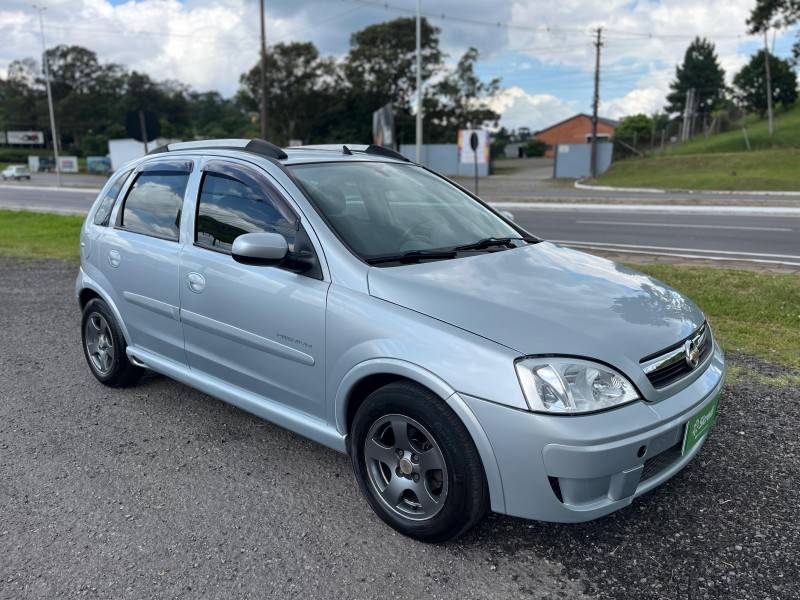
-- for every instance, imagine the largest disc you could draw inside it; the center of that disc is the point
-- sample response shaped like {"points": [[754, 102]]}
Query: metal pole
{"points": [[596, 100], [769, 82], [419, 81], [263, 63], [143, 129], [41, 10]]}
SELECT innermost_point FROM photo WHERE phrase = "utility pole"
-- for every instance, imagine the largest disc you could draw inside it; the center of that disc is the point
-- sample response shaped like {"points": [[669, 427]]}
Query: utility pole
{"points": [[263, 63], [41, 10], [597, 45], [688, 115], [769, 81], [419, 81]]}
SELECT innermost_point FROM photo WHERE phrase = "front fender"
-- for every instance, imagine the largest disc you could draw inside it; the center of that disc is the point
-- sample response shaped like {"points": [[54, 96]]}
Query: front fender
{"points": [[422, 376]]}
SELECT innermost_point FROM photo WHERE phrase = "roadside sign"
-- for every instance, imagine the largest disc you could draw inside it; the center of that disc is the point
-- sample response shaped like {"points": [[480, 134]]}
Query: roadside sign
{"points": [[383, 126], [28, 138], [68, 164], [466, 153]]}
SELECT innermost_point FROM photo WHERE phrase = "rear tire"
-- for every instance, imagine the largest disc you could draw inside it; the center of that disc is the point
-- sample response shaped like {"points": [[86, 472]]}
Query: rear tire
{"points": [[104, 346], [416, 464]]}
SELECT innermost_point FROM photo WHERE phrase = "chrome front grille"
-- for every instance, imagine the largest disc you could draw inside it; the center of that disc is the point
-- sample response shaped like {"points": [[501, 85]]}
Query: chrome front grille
{"points": [[679, 360]]}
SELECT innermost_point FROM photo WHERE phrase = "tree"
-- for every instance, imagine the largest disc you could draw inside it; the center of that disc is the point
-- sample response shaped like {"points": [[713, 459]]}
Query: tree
{"points": [[382, 60], [634, 130], [460, 100], [751, 86], [299, 86], [700, 70], [770, 13]]}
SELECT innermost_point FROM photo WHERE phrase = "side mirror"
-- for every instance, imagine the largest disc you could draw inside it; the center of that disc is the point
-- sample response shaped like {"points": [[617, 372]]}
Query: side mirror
{"points": [[508, 215], [260, 249]]}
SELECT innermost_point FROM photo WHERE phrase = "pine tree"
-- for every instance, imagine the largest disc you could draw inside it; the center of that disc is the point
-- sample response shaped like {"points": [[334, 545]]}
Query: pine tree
{"points": [[700, 70]]}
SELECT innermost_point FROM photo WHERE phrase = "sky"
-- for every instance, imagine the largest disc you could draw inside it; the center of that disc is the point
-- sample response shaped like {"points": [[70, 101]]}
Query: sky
{"points": [[541, 50]]}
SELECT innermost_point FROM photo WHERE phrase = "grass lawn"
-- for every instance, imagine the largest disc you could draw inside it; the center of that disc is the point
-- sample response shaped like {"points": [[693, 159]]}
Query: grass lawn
{"points": [[787, 135], [37, 235], [757, 170], [752, 313]]}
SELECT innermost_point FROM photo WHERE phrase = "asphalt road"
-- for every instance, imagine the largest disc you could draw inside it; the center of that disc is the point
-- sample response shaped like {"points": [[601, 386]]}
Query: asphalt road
{"points": [[682, 231], [159, 491], [722, 237]]}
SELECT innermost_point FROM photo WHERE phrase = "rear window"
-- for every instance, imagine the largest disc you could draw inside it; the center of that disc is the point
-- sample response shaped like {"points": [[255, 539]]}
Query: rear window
{"points": [[154, 203], [103, 212]]}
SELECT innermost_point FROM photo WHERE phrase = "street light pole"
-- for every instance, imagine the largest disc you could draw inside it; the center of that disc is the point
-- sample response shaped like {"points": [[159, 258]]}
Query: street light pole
{"points": [[419, 81], [41, 10], [263, 63]]}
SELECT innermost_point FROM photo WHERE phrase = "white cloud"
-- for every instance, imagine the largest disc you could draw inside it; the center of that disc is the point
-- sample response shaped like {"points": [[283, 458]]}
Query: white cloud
{"points": [[537, 111]]}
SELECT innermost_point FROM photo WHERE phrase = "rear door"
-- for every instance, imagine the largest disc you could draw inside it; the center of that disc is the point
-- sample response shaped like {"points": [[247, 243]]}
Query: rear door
{"points": [[142, 252], [260, 328]]}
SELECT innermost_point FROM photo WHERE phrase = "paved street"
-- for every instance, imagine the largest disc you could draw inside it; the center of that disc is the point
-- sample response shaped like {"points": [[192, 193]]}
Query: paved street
{"points": [[685, 231], [746, 238], [160, 491]]}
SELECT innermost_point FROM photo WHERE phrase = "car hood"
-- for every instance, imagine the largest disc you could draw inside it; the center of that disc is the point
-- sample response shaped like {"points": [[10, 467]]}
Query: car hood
{"points": [[545, 299]]}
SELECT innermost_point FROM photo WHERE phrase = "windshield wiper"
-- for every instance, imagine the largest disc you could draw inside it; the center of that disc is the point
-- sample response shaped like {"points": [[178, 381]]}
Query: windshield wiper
{"points": [[413, 256], [489, 242]]}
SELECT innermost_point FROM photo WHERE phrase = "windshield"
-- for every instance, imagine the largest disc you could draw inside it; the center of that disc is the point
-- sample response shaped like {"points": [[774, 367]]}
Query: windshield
{"points": [[386, 209]]}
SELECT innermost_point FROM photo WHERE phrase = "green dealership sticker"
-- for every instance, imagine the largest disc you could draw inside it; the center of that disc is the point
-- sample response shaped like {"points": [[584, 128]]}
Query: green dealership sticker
{"points": [[699, 425]]}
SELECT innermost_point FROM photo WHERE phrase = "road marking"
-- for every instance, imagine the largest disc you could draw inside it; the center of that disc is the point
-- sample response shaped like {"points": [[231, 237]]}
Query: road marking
{"points": [[770, 211], [686, 225], [700, 256], [672, 249]]}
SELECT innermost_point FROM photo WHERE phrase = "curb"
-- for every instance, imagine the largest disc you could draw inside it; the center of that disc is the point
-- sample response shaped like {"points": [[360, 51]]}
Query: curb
{"points": [[607, 188], [50, 188]]}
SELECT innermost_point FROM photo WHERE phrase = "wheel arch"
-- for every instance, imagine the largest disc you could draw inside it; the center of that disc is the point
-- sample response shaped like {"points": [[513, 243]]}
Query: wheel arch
{"points": [[371, 375], [88, 289]]}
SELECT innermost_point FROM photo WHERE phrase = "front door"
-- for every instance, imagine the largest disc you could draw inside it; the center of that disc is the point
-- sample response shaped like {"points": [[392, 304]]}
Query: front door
{"points": [[260, 328], [143, 252]]}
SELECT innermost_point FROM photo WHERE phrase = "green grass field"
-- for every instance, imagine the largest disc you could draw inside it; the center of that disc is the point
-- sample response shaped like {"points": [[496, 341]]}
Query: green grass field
{"points": [[752, 313], [787, 135], [722, 161], [774, 170], [38, 235]]}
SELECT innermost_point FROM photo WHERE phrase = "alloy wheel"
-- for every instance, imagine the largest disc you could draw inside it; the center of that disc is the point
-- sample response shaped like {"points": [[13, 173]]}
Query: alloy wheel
{"points": [[99, 343], [406, 467]]}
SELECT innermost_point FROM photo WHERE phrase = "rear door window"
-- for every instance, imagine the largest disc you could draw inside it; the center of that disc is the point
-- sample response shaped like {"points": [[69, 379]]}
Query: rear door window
{"points": [[154, 203], [103, 212]]}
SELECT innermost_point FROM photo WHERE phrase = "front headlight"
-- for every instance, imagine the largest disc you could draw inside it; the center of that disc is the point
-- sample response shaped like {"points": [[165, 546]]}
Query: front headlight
{"points": [[572, 385]]}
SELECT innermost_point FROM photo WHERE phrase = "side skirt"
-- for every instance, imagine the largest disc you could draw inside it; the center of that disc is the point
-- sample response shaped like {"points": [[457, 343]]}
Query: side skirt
{"points": [[269, 410]]}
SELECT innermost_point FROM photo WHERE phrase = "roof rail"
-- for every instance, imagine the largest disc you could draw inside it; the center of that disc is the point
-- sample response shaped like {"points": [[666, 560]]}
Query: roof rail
{"points": [[256, 146], [383, 151]]}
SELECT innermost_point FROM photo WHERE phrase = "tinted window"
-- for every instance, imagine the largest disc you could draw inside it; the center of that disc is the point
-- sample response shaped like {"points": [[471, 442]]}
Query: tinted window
{"points": [[103, 211], [153, 206], [231, 205]]}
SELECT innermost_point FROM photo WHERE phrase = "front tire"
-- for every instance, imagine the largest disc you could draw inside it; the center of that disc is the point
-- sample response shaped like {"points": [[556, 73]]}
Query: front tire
{"points": [[416, 464], [104, 346]]}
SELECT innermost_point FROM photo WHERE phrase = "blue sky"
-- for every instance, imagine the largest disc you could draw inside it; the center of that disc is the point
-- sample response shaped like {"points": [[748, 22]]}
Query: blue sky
{"points": [[542, 51]]}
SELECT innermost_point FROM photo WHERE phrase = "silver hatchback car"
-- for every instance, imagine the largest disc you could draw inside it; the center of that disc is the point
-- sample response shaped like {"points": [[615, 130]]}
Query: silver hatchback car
{"points": [[380, 309]]}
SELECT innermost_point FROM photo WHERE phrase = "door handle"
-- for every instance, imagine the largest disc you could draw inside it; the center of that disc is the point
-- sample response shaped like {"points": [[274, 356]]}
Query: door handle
{"points": [[196, 282], [114, 258]]}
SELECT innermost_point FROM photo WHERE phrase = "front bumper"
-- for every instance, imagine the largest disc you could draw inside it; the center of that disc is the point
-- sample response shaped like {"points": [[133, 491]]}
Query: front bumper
{"points": [[578, 468]]}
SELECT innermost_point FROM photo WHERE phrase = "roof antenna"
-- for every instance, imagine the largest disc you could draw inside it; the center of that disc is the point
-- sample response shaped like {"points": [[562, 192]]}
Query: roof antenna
{"points": [[346, 150]]}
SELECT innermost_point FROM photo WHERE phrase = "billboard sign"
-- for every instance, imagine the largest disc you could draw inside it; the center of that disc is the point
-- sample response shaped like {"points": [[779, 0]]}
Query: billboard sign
{"points": [[466, 154], [383, 126], [3, 137], [68, 164], [29, 138]]}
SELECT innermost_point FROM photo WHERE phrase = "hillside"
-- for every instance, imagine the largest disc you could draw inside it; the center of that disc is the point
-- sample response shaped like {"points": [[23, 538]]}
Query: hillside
{"points": [[787, 135], [722, 161]]}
